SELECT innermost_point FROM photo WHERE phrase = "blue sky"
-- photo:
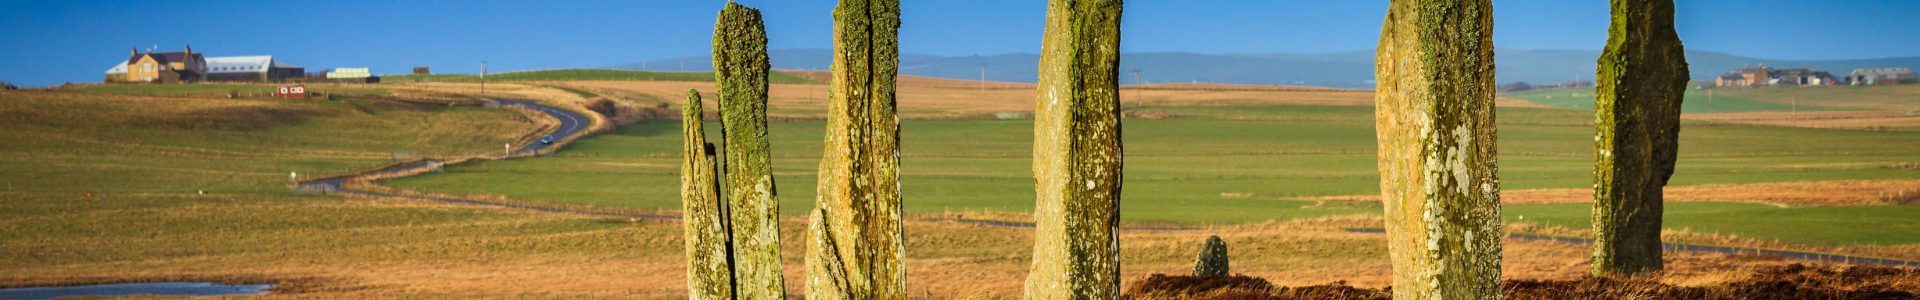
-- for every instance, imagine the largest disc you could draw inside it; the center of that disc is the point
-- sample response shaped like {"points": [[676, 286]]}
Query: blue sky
{"points": [[48, 42]]}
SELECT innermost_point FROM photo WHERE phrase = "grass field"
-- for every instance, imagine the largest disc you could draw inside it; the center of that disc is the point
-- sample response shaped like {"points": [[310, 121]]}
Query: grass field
{"points": [[103, 187], [1758, 99], [580, 74], [1206, 164]]}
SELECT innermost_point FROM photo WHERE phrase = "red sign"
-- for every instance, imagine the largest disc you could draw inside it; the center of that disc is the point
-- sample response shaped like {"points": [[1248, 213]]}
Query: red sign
{"points": [[297, 91]]}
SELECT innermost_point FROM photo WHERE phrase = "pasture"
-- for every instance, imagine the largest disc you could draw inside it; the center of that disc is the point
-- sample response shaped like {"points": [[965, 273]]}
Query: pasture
{"points": [[1218, 164]]}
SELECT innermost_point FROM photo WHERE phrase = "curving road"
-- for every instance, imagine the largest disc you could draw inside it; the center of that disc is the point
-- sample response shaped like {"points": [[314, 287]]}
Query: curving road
{"points": [[571, 123]]}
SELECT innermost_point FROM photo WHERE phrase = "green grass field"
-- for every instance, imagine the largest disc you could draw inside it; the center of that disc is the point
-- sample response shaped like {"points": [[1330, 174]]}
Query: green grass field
{"points": [[1209, 164], [582, 74], [1753, 99]]}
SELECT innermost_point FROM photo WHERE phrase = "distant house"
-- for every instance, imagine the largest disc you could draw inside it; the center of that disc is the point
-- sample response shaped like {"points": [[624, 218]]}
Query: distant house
{"points": [[422, 70], [352, 75], [1763, 76], [258, 68], [162, 67], [1879, 76]]}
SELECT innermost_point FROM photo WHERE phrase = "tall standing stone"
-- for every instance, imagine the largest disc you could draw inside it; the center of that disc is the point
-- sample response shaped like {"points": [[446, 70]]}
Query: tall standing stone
{"points": [[855, 248], [740, 66], [1076, 154], [1642, 76], [709, 261], [1434, 116]]}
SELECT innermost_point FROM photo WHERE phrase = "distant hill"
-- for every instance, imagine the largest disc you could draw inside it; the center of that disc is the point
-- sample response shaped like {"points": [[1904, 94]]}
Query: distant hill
{"points": [[1343, 69]]}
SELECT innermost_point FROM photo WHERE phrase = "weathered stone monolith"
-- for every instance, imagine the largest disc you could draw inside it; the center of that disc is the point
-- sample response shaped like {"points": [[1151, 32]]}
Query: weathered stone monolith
{"points": [[1434, 120], [709, 262], [855, 248], [1076, 154], [1212, 261], [1642, 76], [740, 66]]}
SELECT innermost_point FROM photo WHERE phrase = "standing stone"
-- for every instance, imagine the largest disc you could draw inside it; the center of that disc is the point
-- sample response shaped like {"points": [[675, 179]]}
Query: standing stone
{"points": [[709, 265], [1434, 120], [855, 248], [1642, 78], [740, 66], [1076, 154], [1213, 259]]}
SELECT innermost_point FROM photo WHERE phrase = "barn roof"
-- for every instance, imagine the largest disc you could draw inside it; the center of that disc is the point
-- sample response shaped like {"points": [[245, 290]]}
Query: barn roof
{"points": [[244, 64]]}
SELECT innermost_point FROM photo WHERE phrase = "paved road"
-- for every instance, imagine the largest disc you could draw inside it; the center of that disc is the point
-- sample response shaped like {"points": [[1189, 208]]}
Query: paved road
{"points": [[571, 123]]}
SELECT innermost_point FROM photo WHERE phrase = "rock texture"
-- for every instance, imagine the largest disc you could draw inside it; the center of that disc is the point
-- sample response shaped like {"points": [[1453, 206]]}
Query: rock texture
{"points": [[855, 248], [1435, 124], [709, 253], [1076, 154], [740, 65], [1642, 76], [1212, 261]]}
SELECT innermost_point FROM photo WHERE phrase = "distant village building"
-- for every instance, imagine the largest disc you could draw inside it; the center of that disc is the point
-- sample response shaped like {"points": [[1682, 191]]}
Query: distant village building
{"points": [[259, 68], [352, 75], [422, 70], [161, 67], [1879, 76], [1763, 76]]}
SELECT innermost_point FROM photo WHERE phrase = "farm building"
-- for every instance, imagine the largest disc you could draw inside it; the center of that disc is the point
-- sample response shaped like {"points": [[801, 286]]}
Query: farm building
{"points": [[1763, 76], [1879, 76], [352, 75], [258, 68], [163, 67]]}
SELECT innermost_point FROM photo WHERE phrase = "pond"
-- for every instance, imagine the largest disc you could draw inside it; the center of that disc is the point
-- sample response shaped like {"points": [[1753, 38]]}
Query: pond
{"points": [[130, 289]]}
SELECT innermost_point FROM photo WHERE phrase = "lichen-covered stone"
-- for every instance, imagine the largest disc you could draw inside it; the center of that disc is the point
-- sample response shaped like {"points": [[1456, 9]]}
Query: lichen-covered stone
{"points": [[1076, 154], [709, 266], [855, 248], [1435, 127], [1642, 76], [740, 66], [1212, 260]]}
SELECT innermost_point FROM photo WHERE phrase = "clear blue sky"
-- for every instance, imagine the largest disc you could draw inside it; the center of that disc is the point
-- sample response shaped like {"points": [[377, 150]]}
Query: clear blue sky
{"points": [[48, 42]]}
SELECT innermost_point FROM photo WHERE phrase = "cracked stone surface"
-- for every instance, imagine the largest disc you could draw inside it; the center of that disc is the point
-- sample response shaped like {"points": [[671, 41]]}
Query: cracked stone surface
{"points": [[1077, 155], [740, 67], [1642, 76], [855, 248], [1435, 126], [709, 267]]}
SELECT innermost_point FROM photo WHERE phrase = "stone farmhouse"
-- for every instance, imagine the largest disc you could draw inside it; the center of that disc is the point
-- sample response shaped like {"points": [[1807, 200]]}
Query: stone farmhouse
{"points": [[187, 66], [1764, 76], [160, 67]]}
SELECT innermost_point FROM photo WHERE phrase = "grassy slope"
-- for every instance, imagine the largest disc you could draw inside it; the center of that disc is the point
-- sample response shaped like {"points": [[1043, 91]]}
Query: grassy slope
{"points": [[144, 159], [1179, 168], [583, 74]]}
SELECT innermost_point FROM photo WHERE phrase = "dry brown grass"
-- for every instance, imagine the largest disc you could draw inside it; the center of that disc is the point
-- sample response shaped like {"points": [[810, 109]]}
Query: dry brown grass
{"points": [[1806, 193], [939, 98], [1859, 120]]}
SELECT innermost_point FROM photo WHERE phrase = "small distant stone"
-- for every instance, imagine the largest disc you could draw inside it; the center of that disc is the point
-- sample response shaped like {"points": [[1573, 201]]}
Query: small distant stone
{"points": [[1212, 260]]}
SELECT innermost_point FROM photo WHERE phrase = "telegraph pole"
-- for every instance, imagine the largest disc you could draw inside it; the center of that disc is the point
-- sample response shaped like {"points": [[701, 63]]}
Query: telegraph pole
{"points": [[983, 77], [1137, 84], [483, 78]]}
